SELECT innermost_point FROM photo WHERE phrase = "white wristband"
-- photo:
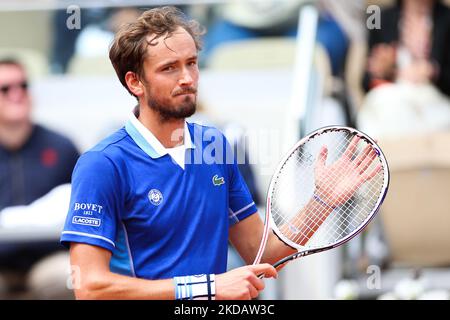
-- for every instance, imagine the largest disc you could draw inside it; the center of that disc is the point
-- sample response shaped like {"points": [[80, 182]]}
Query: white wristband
{"points": [[196, 287]]}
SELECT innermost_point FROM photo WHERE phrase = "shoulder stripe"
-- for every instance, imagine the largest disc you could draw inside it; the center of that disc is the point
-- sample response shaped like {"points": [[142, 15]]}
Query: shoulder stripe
{"points": [[234, 214]]}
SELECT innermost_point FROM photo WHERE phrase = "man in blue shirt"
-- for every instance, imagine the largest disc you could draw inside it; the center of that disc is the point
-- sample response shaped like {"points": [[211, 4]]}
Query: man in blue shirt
{"points": [[154, 204]]}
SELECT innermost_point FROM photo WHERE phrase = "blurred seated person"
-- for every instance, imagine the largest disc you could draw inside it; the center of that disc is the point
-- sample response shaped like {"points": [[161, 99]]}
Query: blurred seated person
{"points": [[338, 22], [408, 70], [64, 38], [95, 38], [33, 161]]}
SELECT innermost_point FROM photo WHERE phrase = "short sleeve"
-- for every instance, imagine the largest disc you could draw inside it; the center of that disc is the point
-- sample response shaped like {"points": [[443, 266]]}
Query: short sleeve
{"points": [[95, 202], [241, 204]]}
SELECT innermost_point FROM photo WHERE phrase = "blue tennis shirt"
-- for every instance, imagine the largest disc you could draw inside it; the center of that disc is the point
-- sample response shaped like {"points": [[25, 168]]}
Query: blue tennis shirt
{"points": [[158, 219]]}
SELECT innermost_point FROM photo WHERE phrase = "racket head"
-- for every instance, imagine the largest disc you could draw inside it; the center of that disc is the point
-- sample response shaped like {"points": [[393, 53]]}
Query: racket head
{"points": [[293, 185]]}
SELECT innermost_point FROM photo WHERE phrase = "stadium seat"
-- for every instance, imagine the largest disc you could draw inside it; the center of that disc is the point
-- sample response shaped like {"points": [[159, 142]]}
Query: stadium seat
{"points": [[270, 52], [87, 66], [416, 214], [31, 29], [267, 53]]}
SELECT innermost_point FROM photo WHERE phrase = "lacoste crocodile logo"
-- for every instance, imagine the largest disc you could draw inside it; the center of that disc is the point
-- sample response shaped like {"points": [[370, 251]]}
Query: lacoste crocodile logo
{"points": [[218, 181]]}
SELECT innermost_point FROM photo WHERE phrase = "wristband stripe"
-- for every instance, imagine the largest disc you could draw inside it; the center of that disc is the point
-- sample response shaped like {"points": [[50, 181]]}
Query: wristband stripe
{"points": [[195, 287], [208, 278]]}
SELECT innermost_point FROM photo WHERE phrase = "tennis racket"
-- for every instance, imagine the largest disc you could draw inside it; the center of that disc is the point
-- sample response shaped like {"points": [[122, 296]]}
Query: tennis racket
{"points": [[325, 191]]}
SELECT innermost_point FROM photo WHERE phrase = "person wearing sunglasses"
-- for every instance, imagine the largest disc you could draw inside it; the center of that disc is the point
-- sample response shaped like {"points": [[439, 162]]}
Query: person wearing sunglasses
{"points": [[33, 161]]}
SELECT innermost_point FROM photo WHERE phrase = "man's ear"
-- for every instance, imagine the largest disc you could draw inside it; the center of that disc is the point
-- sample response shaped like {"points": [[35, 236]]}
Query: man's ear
{"points": [[134, 84]]}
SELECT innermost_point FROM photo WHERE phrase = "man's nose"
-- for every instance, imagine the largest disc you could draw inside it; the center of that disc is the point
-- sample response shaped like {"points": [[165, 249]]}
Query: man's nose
{"points": [[16, 94], [186, 78]]}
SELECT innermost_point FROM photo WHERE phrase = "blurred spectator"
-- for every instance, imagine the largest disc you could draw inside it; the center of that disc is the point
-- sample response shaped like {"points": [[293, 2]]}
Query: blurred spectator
{"points": [[408, 70], [413, 44], [96, 38], [340, 23], [33, 161], [64, 39], [240, 20]]}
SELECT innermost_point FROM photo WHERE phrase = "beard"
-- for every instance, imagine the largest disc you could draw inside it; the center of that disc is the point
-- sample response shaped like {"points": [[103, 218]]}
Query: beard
{"points": [[168, 111]]}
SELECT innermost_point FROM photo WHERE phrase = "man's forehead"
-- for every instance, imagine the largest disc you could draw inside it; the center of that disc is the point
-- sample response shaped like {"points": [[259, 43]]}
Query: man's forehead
{"points": [[11, 67], [177, 33], [8, 71], [180, 38]]}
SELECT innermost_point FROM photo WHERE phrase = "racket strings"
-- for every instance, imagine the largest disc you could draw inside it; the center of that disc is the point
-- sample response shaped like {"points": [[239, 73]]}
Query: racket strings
{"points": [[295, 186], [339, 223], [314, 216], [337, 227]]}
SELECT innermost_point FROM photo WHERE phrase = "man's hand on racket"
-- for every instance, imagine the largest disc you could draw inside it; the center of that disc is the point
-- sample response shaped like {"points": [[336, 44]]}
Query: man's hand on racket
{"points": [[336, 183], [243, 283]]}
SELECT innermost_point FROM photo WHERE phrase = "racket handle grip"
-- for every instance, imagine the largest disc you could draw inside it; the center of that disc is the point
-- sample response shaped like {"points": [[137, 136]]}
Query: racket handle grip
{"points": [[281, 262]]}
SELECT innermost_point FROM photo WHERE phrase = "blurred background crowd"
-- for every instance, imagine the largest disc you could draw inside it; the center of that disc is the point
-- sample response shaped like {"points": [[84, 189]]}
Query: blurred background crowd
{"points": [[271, 71]]}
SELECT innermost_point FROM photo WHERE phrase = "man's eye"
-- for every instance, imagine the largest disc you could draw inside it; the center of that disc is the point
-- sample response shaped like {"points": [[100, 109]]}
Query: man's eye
{"points": [[169, 68]]}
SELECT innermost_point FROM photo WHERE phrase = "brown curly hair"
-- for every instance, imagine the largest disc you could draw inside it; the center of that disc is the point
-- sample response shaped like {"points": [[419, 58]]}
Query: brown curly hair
{"points": [[129, 48]]}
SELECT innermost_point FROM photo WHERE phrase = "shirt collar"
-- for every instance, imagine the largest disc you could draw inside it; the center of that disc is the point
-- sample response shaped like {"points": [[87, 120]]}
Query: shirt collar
{"points": [[147, 141]]}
